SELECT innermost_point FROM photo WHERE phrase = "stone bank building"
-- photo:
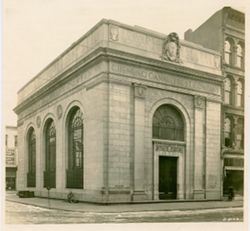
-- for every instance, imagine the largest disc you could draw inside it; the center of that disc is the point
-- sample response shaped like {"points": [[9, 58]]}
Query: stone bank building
{"points": [[124, 114]]}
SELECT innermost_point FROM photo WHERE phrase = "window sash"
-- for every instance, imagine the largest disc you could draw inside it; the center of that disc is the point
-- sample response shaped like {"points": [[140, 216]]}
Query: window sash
{"points": [[50, 165], [75, 151], [227, 97], [31, 175]]}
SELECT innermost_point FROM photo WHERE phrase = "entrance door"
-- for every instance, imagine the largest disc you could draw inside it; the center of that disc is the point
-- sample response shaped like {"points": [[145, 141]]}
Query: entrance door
{"points": [[234, 179], [167, 177]]}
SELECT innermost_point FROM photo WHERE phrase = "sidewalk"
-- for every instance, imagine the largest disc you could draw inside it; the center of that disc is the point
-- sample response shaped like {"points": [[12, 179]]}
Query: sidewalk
{"points": [[119, 208]]}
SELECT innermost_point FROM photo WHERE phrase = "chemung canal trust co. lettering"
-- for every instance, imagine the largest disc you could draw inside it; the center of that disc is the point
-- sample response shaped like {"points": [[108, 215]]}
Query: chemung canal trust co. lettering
{"points": [[164, 78]]}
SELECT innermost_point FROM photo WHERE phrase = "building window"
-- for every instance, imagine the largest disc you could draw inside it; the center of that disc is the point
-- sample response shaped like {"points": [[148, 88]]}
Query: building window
{"points": [[228, 52], [50, 159], [234, 162], [168, 124], [15, 141], [240, 134], [31, 176], [228, 132], [227, 90], [75, 152], [239, 56], [239, 94], [6, 140]]}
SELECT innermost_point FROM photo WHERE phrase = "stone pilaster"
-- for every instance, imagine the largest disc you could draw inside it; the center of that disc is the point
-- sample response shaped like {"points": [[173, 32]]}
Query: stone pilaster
{"points": [[234, 90], [234, 130], [213, 168], [199, 150], [39, 157], [139, 124]]}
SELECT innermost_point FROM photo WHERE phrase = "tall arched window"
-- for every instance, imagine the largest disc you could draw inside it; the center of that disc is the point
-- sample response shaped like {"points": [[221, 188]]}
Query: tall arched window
{"points": [[228, 132], [227, 90], [228, 52], [75, 152], [50, 159], [239, 56], [168, 124], [31, 175], [239, 94]]}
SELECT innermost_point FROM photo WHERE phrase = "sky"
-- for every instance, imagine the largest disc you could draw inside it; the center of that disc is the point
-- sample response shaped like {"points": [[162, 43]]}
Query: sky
{"points": [[35, 32]]}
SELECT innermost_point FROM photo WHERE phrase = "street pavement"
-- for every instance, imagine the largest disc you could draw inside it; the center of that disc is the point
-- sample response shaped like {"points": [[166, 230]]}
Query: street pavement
{"points": [[17, 213], [116, 208]]}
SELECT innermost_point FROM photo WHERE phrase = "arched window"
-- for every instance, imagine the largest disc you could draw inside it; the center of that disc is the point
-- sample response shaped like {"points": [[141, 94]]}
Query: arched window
{"points": [[228, 52], [75, 151], [227, 90], [239, 94], [50, 159], [168, 124], [31, 175], [239, 56], [228, 132]]}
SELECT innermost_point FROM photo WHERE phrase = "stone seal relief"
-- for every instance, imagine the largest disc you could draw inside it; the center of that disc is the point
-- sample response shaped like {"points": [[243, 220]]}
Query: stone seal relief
{"points": [[38, 121], [171, 48], [59, 111], [114, 33]]}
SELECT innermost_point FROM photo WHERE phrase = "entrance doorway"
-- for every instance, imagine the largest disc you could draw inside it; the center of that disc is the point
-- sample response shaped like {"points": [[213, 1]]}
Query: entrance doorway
{"points": [[234, 179], [167, 177]]}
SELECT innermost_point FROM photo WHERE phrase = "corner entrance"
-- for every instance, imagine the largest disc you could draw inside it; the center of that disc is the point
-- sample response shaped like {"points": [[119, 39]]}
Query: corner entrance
{"points": [[167, 177]]}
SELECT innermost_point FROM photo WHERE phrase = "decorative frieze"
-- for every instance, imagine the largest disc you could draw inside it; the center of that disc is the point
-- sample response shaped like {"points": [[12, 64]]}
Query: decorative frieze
{"points": [[165, 78]]}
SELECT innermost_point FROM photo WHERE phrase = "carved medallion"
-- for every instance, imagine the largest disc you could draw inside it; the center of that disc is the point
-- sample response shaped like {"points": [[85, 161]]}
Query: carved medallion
{"points": [[199, 102], [113, 33], [140, 91], [171, 48], [38, 121], [59, 111]]}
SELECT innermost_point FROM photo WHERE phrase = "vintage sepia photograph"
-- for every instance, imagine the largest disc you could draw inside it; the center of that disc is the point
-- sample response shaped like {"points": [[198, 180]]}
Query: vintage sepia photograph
{"points": [[124, 115]]}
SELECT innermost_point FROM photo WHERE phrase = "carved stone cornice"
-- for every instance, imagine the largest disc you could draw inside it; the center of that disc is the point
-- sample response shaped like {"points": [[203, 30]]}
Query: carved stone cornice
{"points": [[159, 65], [107, 54], [233, 71]]}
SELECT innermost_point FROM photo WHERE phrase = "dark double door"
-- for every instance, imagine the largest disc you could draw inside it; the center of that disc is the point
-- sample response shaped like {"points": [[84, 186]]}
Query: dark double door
{"points": [[167, 177]]}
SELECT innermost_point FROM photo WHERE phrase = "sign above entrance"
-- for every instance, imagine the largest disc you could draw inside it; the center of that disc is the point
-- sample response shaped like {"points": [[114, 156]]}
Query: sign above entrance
{"points": [[166, 149]]}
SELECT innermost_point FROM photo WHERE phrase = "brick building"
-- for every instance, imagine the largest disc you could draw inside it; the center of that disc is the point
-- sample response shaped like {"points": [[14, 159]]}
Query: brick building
{"points": [[124, 114], [225, 32], [10, 157]]}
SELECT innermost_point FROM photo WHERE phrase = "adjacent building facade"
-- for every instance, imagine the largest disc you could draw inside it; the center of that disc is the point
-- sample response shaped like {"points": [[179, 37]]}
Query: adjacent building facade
{"points": [[125, 114], [10, 157], [225, 32]]}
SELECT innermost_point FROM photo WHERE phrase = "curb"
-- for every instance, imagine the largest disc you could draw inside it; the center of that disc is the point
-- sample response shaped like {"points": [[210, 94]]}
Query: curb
{"points": [[124, 211]]}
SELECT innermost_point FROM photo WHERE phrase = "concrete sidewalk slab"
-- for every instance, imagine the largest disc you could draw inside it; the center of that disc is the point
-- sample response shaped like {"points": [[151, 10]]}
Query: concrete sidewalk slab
{"points": [[111, 208]]}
